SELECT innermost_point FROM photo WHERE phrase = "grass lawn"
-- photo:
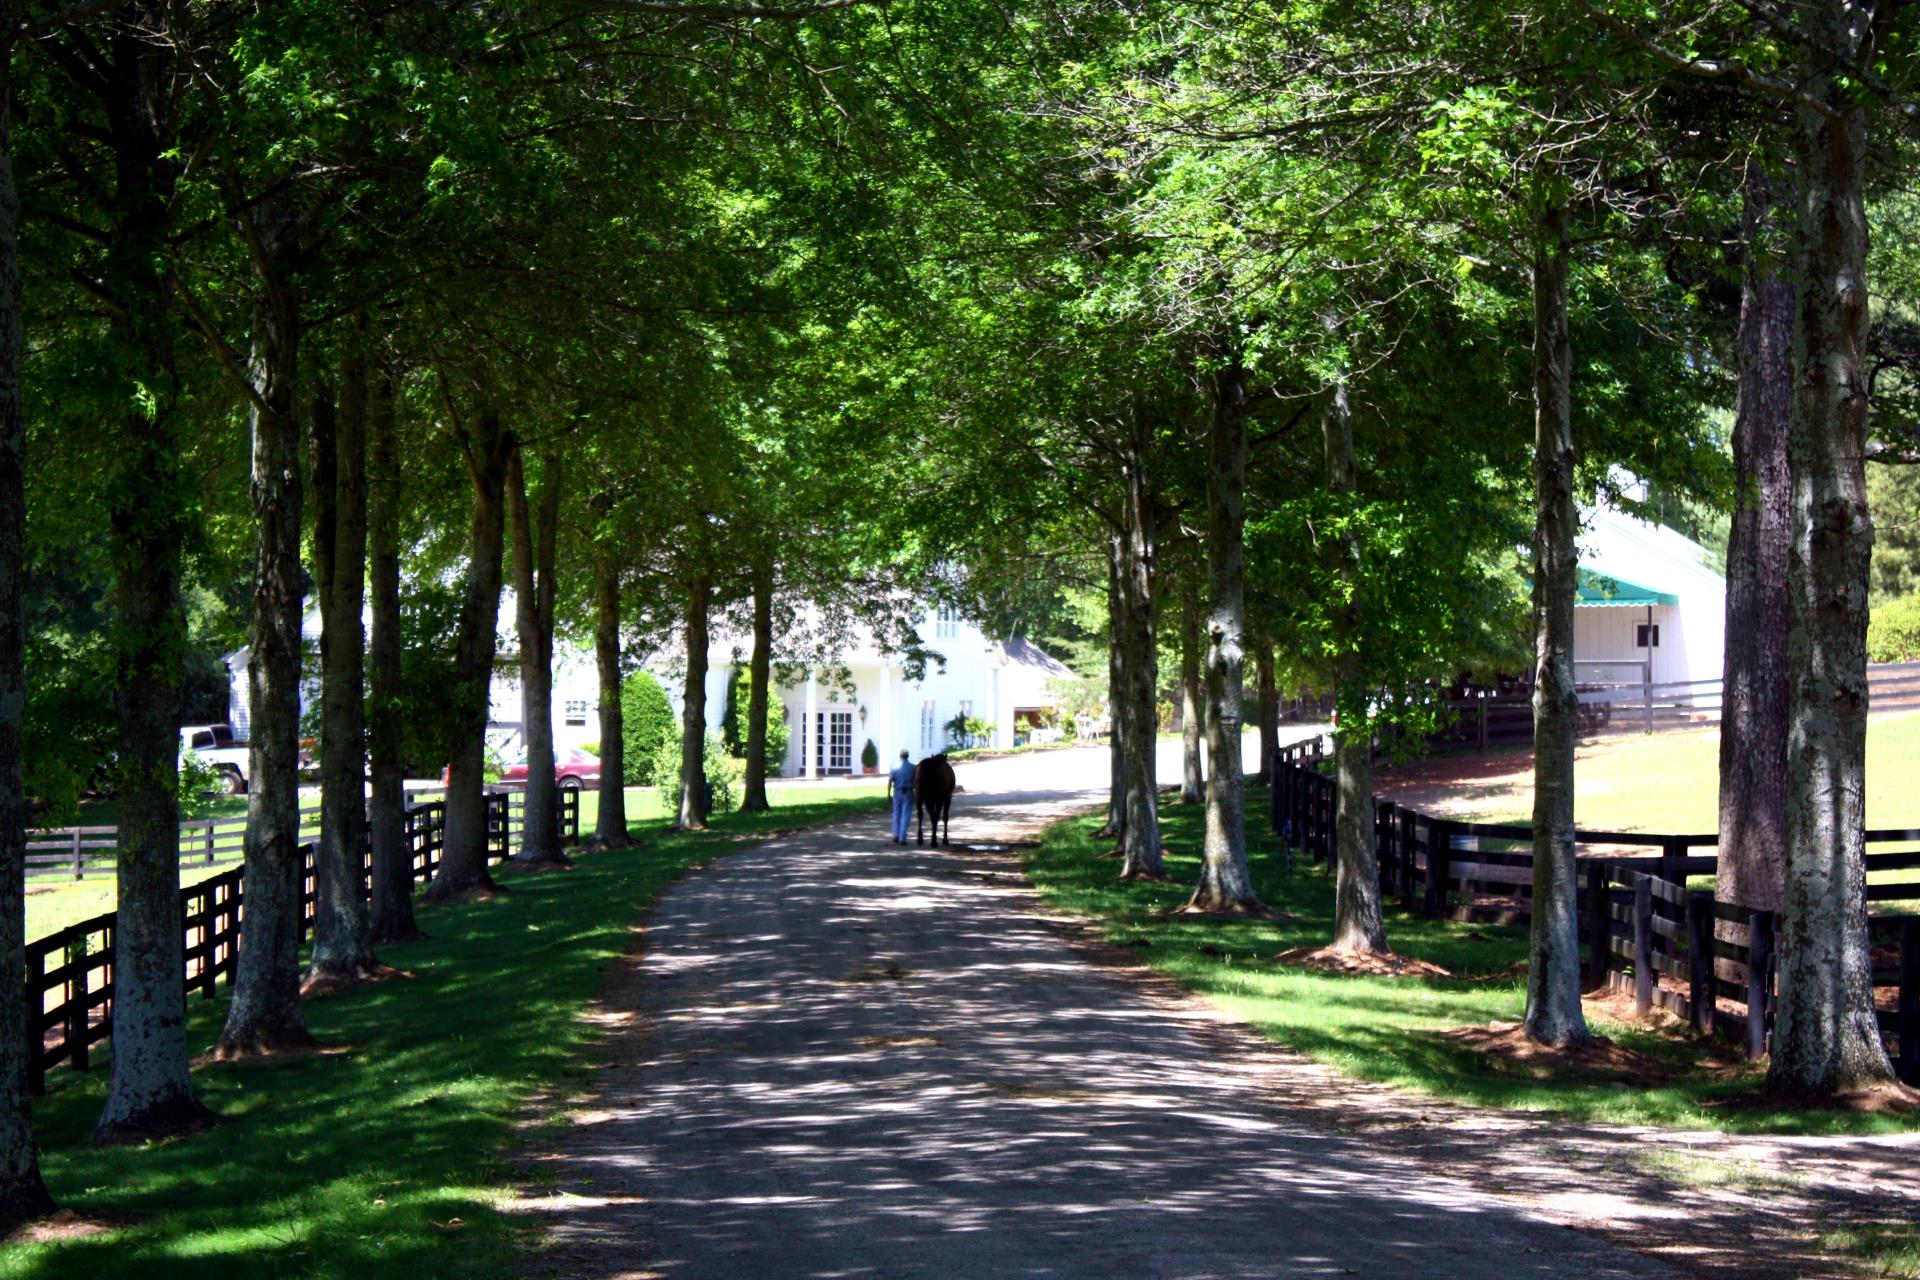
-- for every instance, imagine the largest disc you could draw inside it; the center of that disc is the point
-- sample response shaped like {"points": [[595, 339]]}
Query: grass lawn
{"points": [[1383, 1029], [1663, 782], [385, 1156], [54, 903]]}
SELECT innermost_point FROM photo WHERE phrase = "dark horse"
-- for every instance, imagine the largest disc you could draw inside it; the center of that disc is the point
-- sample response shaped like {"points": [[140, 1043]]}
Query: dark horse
{"points": [[933, 795]]}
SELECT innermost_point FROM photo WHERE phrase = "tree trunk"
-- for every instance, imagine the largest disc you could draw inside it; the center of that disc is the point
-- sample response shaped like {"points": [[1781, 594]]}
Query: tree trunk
{"points": [[1226, 883], [610, 827], [534, 541], [390, 913], [1116, 696], [1358, 922], [693, 710], [759, 676], [150, 1092], [488, 447], [1825, 1038], [23, 1195], [342, 936], [1554, 1015], [1753, 717], [1140, 857], [265, 1016], [1193, 700], [1267, 706]]}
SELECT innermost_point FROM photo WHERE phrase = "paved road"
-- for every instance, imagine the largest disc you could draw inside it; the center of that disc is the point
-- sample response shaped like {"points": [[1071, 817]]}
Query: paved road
{"points": [[853, 1060]]}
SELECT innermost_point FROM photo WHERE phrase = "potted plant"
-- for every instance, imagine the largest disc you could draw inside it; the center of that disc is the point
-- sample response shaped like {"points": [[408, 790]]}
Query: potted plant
{"points": [[870, 757]]}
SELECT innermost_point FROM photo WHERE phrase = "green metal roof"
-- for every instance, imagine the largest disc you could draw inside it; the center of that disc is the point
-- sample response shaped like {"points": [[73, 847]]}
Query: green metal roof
{"points": [[1598, 590]]}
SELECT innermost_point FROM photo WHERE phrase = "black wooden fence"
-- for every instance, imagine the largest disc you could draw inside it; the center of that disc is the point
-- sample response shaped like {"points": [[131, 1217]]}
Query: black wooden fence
{"points": [[70, 972], [1644, 930]]}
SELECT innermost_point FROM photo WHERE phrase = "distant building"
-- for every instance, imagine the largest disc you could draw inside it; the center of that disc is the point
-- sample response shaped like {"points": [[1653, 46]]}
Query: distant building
{"points": [[1650, 609], [866, 695], [831, 712]]}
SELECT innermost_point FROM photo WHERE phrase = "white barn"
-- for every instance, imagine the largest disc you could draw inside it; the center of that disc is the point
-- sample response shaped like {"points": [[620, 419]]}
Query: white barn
{"points": [[1650, 607]]}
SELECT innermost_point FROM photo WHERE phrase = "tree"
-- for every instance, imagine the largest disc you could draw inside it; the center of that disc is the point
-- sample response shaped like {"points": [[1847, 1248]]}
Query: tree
{"points": [[535, 532], [647, 721]]}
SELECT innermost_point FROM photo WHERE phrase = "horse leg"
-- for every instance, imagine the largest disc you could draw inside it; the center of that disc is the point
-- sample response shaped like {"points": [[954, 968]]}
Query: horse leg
{"points": [[920, 820]]}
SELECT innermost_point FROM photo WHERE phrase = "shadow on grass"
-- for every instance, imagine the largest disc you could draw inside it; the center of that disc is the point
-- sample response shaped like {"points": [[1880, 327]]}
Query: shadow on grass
{"points": [[1385, 1029], [386, 1156]]}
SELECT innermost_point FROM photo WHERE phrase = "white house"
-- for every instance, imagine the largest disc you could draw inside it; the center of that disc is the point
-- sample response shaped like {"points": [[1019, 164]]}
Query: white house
{"points": [[1650, 608], [866, 695]]}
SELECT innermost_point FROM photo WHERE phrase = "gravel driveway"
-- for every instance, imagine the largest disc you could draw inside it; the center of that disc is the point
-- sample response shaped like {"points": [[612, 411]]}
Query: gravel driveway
{"points": [[838, 1057]]}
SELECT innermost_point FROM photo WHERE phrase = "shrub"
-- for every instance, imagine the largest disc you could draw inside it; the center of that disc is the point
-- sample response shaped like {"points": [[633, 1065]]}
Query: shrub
{"points": [[648, 724], [1893, 631], [870, 755], [591, 748], [736, 727], [968, 731], [724, 773]]}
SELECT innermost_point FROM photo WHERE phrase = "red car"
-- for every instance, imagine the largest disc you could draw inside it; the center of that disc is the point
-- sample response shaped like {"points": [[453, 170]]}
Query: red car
{"points": [[573, 769]]}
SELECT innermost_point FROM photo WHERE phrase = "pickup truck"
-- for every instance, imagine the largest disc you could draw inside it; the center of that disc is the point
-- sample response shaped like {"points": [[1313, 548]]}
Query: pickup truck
{"points": [[215, 745]]}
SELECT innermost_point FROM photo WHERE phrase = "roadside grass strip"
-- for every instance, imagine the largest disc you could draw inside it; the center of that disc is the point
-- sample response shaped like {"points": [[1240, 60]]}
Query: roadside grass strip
{"points": [[388, 1153], [1389, 1029]]}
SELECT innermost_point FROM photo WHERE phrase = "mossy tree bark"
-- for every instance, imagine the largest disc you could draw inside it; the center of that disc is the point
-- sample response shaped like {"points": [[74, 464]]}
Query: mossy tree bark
{"points": [[149, 1090], [342, 952], [23, 1194], [759, 677], [1554, 1015], [1138, 730], [486, 446], [1193, 701], [1226, 882], [693, 708], [535, 536], [1358, 921], [390, 908], [610, 826], [265, 1016], [1753, 717], [1826, 1038]]}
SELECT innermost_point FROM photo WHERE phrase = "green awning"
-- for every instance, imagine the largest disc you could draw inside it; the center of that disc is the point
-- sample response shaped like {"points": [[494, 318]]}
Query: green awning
{"points": [[1599, 590]]}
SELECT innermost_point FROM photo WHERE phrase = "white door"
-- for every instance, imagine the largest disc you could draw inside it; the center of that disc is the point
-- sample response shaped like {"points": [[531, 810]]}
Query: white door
{"points": [[833, 741]]}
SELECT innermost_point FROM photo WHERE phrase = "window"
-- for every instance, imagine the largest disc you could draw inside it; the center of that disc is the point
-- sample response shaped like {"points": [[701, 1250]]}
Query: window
{"points": [[946, 623], [928, 725], [1646, 635], [578, 709]]}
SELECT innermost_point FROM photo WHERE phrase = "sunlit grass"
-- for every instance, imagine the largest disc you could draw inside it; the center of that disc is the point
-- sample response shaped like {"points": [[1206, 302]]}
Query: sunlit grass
{"points": [[386, 1156], [1670, 782], [1383, 1029]]}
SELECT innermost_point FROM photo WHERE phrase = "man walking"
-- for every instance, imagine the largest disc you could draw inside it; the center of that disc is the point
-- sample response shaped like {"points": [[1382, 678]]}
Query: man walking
{"points": [[900, 787]]}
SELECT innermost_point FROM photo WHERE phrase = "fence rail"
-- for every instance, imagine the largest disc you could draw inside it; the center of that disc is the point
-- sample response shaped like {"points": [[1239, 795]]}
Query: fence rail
{"points": [[70, 972], [1644, 929]]}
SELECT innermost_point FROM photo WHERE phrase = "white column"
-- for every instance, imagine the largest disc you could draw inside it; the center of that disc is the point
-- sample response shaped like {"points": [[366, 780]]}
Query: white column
{"points": [[883, 732], [809, 750]]}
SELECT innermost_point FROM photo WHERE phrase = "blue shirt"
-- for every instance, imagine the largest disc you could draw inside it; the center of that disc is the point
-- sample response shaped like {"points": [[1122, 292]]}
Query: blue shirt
{"points": [[903, 775]]}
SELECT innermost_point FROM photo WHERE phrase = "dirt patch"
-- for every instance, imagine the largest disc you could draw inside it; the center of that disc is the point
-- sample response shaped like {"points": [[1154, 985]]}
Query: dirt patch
{"points": [[65, 1224], [1881, 1099], [1507, 1047], [1371, 964]]}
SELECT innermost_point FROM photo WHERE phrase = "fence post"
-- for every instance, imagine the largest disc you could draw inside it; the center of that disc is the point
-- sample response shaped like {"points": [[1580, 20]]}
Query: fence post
{"points": [[1646, 691], [1909, 1016], [1599, 925], [1642, 945], [1672, 851], [1439, 846], [1483, 724], [1408, 840], [79, 857], [1760, 990], [1700, 967]]}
